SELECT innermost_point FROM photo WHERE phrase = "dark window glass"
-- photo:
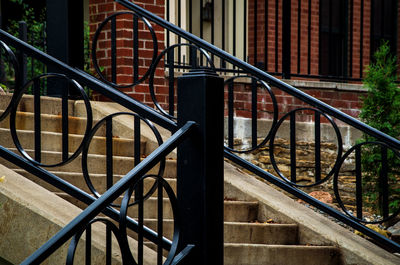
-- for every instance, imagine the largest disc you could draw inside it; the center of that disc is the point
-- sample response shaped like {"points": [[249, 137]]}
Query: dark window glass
{"points": [[332, 37], [383, 23]]}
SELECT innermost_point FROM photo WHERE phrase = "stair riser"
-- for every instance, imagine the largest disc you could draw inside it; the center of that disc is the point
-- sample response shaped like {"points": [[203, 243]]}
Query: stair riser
{"points": [[53, 142], [272, 234], [280, 255], [49, 123], [236, 211], [259, 234], [150, 211], [98, 181], [97, 164], [49, 105]]}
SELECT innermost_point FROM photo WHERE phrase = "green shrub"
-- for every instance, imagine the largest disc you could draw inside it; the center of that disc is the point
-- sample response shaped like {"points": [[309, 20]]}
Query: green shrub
{"points": [[381, 110]]}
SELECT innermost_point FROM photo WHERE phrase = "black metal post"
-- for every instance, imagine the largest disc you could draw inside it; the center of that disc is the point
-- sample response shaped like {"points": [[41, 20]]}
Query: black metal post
{"points": [[64, 37], [200, 167], [22, 60], [286, 32]]}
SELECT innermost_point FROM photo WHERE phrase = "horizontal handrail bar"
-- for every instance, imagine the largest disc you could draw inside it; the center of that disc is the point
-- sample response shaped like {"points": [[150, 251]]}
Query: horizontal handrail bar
{"points": [[85, 79], [262, 75], [110, 195], [312, 201], [77, 193]]}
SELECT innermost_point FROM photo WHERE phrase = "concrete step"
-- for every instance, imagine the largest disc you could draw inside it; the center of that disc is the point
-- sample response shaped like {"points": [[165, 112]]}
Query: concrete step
{"points": [[48, 105], [254, 254], [232, 214], [260, 233], [98, 181], [49, 123], [239, 232], [52, 141], [96, 164], [240, 211]]}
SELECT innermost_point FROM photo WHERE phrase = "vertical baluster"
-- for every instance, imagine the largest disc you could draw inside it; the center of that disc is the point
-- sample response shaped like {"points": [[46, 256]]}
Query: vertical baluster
{"points": [[137, 134], [309, 39], [212, 28], [362, 33], [245, 30], [351, 40], [293, 147], [359, 187], [253, 113], [193, 57], [113, 50], [191, 16], [230, 115], [140, 217], [201, 28], [286, 38], [109, 153], [109, 172], [22, 60], [136, 150], [298, 35], [255, 32], [266, 18], [171, 85], [234, 29], [135, 49], [169, 20], [317, 136], [108, 245], [159, 221], [88, 245], [64, 116], [37, 110], [330, 37], [179, 25], [276, 33], [384, 183], [223, 63]]}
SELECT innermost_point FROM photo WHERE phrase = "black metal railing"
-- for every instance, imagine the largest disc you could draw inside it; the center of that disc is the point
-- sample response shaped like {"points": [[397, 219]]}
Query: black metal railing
{"points": [[191, 165], [132, 183], [321, 114]]}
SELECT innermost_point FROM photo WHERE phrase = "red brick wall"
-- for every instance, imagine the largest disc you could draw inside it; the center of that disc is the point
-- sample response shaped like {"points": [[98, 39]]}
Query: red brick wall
{"points": [[276, 66], [347, 101], [99, 11]]}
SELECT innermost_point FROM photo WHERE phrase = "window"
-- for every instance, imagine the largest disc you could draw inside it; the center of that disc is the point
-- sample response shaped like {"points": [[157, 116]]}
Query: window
{"points": [[383, 24], [332, 37]]}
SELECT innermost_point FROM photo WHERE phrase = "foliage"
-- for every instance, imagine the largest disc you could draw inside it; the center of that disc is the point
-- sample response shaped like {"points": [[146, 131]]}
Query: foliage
{"points": [[381, 109], [36, 37]]}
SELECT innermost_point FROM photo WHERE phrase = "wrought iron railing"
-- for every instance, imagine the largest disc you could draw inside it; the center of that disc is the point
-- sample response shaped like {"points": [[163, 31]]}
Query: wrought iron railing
{"points": [[165, 117], [320, 113], [132, 183]]}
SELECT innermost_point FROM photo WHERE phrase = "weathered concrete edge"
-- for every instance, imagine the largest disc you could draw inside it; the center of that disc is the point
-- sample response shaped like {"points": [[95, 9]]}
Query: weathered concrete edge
{"points": [[313, 228], [102, 109], [49, 213]]}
